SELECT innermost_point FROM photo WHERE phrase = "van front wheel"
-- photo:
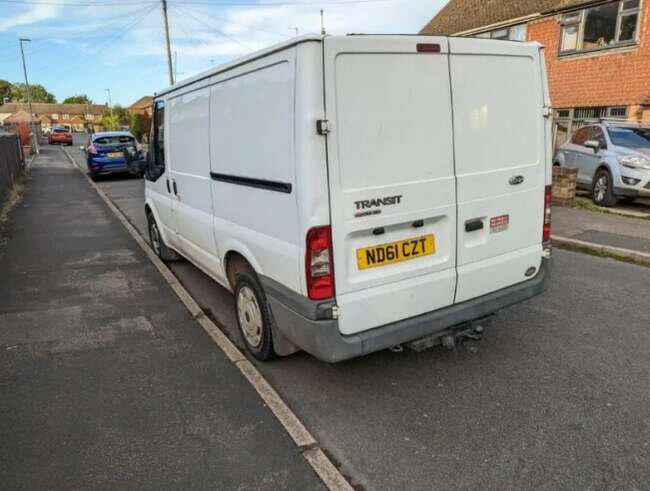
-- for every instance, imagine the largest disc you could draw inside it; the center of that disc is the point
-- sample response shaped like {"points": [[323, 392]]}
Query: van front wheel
{"points": [[157, 243], [253, 316]]}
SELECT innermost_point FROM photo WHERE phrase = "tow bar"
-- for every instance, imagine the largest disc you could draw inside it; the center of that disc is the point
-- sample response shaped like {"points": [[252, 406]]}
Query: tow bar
{"points": [[452, 337]]}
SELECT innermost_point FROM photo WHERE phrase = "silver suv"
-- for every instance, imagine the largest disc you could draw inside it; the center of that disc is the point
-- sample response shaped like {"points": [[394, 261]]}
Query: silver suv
{"points": [[613, 160]]}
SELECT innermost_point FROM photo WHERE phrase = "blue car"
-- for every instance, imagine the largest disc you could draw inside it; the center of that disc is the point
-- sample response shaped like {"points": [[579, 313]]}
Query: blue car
{"points": [[105, 152]]}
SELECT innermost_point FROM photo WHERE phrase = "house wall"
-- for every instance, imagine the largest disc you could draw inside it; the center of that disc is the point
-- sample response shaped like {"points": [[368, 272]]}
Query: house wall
{"points": [[616, 77]]}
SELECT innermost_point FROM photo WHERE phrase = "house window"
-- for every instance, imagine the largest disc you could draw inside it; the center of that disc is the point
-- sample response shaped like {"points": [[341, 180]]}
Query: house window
{"points": [[513, 33], [568, 121], [599, 27], [89, 117], [66, 116], [55, 116]]}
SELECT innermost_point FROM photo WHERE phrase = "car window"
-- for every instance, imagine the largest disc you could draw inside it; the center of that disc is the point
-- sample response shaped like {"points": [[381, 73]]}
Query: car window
{"points": [[60, 130], [630, 137], [114, 140], [598, 135], [581, 136]]}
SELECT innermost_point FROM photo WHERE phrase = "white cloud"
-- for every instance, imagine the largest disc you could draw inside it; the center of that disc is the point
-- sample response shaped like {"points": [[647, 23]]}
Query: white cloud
{"points": [[34, 14]]}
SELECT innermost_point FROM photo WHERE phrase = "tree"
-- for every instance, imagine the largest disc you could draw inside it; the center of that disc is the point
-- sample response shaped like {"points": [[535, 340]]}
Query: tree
{"points": [[116, 118], [77, 99], [38, 93], [5, 91], [140, 124]]}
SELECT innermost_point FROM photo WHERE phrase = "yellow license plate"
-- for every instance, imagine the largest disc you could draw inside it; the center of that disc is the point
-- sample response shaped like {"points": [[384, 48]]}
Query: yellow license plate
{"points": [[115, 154], [395, 252]]}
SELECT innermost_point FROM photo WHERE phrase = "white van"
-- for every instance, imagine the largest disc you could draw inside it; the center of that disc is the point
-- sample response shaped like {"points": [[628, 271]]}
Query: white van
{"points": [[358, 192]]}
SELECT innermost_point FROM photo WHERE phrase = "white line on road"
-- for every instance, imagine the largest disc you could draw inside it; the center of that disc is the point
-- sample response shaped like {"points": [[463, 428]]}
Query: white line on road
{"points": [[312, 453]]}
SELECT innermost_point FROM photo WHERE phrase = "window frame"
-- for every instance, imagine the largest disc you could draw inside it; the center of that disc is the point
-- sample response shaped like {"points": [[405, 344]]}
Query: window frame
{"points": [[156, 168], [578, 18], [508, 30]]}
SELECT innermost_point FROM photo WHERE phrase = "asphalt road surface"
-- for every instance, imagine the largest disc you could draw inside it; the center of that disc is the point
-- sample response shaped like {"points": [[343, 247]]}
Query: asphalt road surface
{"points": [[555, 396]]}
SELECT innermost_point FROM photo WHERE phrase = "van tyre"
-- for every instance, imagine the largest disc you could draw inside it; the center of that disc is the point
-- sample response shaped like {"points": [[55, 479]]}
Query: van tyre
{"points": [[602, 192], [158, 244], [253, 316]]}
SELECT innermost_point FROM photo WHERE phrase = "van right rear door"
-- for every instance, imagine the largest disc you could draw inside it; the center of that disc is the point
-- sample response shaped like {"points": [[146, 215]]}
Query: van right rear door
{"points": [[501, 160], [391, 177]]}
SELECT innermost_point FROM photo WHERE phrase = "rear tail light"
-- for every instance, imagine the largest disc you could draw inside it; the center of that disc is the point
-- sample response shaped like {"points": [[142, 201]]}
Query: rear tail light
{"points": [[92, 149], [319, 263], [548, 196]]}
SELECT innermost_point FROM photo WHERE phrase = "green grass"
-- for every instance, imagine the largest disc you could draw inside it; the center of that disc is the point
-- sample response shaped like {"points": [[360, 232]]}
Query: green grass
{"points": [[588, 204], [601, 253]]}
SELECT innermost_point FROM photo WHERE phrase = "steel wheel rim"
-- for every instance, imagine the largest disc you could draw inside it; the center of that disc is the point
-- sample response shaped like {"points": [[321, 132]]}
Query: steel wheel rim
{"points": [[155, 239], [600, 188], [250, 316]]}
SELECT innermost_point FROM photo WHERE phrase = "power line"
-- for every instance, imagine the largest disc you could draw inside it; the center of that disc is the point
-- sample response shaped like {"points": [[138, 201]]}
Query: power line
{"points": [[212, 28], [104, 3]]}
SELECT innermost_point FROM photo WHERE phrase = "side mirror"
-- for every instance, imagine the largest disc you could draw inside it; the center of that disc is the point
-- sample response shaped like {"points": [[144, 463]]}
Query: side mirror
{"points": [[136, 163], [593, 144]]}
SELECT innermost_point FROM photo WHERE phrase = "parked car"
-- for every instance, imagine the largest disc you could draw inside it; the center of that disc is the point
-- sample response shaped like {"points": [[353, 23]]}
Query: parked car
{"points": [[61, 136], [348, 207], [613, 160], [105, 152]]}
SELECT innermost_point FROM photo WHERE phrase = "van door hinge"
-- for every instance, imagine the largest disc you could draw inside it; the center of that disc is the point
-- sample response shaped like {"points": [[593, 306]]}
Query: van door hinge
{"points": [[322, 126], [547, 111]]}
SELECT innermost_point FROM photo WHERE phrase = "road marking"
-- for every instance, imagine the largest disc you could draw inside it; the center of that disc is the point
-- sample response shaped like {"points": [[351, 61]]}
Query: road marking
{"points": [[306, 443]]}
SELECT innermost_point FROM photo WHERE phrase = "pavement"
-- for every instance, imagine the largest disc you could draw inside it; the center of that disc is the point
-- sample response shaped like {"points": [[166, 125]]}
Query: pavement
{"points": [[602, 228], [106, 381], [555, 396]]}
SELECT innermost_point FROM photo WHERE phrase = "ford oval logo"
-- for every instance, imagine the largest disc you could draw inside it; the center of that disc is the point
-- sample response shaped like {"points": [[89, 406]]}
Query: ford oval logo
{"points": [[514, 180]]}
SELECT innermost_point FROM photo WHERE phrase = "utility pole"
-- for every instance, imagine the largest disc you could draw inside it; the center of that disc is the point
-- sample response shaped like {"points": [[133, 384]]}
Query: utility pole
{"points": [[169, 47], [29, 95], [322, 23], [294, 29], [175, 65]]}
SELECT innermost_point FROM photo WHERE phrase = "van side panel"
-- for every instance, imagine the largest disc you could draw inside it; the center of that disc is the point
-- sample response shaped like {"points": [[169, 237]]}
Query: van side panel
{"points": [[500, 151], [189, 156], [252, 141]]}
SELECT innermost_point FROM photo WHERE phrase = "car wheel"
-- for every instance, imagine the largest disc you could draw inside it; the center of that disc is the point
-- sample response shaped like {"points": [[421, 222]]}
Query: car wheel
{"points": [[602, 192], [253, 316], [158, 244]]}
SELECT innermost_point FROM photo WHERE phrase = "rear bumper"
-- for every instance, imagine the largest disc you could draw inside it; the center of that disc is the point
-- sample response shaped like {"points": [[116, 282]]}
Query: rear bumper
{"points": [[301, 320]]}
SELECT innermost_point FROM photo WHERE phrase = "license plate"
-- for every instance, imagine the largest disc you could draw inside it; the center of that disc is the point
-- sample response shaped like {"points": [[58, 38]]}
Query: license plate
{"points": [[115, 154], [395, 252]]}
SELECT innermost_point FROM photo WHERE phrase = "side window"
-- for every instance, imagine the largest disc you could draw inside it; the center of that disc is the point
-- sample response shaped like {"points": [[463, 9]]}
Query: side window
{"points": [[156, 159], [581, 136], [598, 135], [159, 134]]}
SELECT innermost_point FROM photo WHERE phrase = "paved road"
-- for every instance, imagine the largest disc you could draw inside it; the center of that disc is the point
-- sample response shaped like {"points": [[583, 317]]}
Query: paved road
{"points": [[556, 396], [105, 379]]}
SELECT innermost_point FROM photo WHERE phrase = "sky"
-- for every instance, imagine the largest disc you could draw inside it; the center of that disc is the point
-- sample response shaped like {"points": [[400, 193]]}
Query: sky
{"points": [[88, 46]]}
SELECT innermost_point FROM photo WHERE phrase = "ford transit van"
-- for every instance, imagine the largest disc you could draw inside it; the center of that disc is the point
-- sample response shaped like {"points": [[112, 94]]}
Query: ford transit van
{"points": [[358, 192]]}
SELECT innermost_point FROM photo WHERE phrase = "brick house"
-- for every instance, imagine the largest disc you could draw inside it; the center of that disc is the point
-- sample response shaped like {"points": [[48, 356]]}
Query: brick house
{"points": [[78, 116], [597, 52], [143, 105]]}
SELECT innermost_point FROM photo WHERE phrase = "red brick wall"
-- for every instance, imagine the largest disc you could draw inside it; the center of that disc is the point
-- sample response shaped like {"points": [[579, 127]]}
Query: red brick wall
{"points": [[608, 78]]}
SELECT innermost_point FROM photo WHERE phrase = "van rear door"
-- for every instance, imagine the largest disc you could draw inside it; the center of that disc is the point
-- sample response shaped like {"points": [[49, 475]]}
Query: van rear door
{"points": [[498, 111], [391, 172]]}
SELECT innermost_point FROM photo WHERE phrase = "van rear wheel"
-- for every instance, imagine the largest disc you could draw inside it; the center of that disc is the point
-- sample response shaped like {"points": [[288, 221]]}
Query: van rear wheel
{"points": [[253, 316]]}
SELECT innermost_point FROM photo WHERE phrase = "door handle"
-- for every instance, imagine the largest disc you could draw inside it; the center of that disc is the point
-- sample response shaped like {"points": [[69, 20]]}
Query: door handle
{"points": [[473, 225], [169, 190], [174, 186]]}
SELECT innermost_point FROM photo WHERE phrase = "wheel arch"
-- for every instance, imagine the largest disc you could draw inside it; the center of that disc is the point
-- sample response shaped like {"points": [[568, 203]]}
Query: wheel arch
{"points": [[237, 258]]}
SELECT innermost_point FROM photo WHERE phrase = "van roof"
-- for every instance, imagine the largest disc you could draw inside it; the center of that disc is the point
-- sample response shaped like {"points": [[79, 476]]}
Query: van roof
{"points": [[241, 60]]}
